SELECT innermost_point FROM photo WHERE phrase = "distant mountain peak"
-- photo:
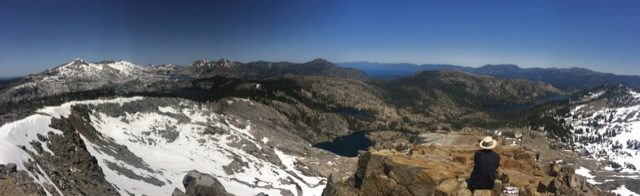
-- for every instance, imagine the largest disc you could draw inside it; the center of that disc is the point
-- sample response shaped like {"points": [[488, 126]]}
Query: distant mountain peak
{"points": [[219, 63], [321, 63], [320, 60], [504, 67], [76, 61]]}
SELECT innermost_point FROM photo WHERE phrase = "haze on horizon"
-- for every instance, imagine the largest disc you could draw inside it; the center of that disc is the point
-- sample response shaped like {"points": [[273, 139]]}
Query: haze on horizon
{"points": [[599, 35]]}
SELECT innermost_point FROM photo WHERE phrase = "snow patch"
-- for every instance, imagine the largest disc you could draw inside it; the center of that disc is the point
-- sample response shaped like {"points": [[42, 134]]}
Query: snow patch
{"points": [[587, 174], [165, 158], [622, 190], [124, 67], [584, 172], [167, 110]]}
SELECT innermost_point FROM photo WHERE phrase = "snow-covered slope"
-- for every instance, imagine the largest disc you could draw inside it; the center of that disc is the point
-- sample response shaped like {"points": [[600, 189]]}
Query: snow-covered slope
{"points": [[20, 133], [146, 147], [606, 125], [107, 70], [80, 76], [606, 128]]}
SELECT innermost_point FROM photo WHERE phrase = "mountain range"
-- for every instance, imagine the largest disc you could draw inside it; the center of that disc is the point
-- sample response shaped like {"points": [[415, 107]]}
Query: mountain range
{"points": [[253, 126], [567, 79]]}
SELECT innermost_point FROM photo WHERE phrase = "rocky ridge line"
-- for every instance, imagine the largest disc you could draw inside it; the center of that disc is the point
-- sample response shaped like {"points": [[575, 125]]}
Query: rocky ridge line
{"points": [[443, 170]]}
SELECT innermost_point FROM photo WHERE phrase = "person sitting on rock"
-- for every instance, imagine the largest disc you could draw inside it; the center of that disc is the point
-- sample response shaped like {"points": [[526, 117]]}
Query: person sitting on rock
{"points": [[485, 168]]}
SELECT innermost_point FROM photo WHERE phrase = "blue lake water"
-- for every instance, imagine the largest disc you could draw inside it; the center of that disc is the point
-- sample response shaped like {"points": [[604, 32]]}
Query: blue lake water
{"points": [[553, 98], [190, 91], [348, 145], [352, 112]]}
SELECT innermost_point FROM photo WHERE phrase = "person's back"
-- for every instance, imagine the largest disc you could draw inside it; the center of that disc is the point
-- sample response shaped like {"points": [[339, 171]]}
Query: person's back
{"points": [[485, 166]]}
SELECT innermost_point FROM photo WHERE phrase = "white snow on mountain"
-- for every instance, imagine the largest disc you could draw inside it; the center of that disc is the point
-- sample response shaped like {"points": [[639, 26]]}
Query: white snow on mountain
{"points": [[80, 71], [622, 190], [165, 160], [19, 133], [587, 174], [125, 68], [79, 68], [193, 150], [608, 128]]}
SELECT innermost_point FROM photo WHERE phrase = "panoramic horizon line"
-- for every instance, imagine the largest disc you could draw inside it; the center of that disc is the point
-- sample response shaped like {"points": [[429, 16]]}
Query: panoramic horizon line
{"points": [[336, 63], [342, 62]]}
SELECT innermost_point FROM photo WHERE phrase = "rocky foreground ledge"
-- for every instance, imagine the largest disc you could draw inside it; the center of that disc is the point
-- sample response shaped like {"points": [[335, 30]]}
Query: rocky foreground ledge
{"points": [[443, 170]]}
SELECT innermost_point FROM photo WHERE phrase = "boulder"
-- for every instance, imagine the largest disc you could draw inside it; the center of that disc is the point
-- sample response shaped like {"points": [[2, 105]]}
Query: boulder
{"points": [[522, 156], [538, 173], [447, 188], [11, 168], [178, 192], [542, 187], [528, 190], [554, 170], [483, 193], [554, 185], [464, 192], [197, 183], [568, 169], [497, 187], [460, 159], [585, 187], [572, 181]]}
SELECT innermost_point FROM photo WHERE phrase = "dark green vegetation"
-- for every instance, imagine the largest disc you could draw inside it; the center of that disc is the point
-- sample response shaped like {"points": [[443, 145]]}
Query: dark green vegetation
{"points": [[543, 118]]}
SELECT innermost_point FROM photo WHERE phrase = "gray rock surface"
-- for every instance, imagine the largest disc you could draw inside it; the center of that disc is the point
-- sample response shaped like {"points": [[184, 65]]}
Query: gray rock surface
{"points": [[196, 183], [18, 182]]}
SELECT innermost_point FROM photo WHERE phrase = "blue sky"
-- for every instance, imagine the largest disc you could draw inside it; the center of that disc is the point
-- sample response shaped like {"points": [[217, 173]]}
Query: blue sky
{"points": [[598, 35]]}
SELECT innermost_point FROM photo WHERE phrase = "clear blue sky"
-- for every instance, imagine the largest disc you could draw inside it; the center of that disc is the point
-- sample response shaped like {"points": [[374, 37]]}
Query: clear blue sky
{"points": [[599, 35]]}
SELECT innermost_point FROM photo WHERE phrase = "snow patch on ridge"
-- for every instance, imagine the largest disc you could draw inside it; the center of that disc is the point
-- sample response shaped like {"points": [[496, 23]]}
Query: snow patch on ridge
{"points": [[124, 67], [606, 133], [21, 132], [192, 149], [162, 158], [587, 174], [622, 190]]}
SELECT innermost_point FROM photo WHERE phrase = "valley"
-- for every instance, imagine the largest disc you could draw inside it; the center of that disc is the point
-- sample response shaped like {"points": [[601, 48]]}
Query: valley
{"points": [[279, 128]]}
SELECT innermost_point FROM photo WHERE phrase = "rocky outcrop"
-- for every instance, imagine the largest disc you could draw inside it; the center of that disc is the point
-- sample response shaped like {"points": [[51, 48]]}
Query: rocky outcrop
{"points": [[72, 168], [17, 182], [443, 170], [196, 183]]}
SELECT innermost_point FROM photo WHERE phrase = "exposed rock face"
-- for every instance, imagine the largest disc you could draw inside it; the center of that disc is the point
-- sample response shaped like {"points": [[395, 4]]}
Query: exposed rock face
{"points": [[99, 147], [73, 169], [14, 182], [437, 170], [196, 183]]}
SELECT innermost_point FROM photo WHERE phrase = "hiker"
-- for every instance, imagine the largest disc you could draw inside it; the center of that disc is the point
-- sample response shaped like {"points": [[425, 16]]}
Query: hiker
{"points": [[485, 168]]}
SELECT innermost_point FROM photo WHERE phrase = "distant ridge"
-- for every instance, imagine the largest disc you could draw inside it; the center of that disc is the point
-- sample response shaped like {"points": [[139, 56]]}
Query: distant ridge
{"points": [[8, 79], [567, 79], [395, 70]]}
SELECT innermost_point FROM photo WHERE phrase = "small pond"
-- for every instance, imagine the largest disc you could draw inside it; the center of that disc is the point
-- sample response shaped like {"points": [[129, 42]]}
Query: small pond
{"points": [[347, 145]]}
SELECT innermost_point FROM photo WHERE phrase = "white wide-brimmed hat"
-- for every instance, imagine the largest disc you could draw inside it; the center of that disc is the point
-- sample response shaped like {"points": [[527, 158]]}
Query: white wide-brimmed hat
{"points": [[488, 143]]}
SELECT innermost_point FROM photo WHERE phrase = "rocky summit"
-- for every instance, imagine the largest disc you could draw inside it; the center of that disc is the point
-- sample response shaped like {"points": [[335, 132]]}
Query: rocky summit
{"points": [[442, 168]]}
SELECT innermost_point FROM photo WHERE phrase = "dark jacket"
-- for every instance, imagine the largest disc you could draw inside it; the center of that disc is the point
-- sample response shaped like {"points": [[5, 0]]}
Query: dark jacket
{"points": [[485, 170]]}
